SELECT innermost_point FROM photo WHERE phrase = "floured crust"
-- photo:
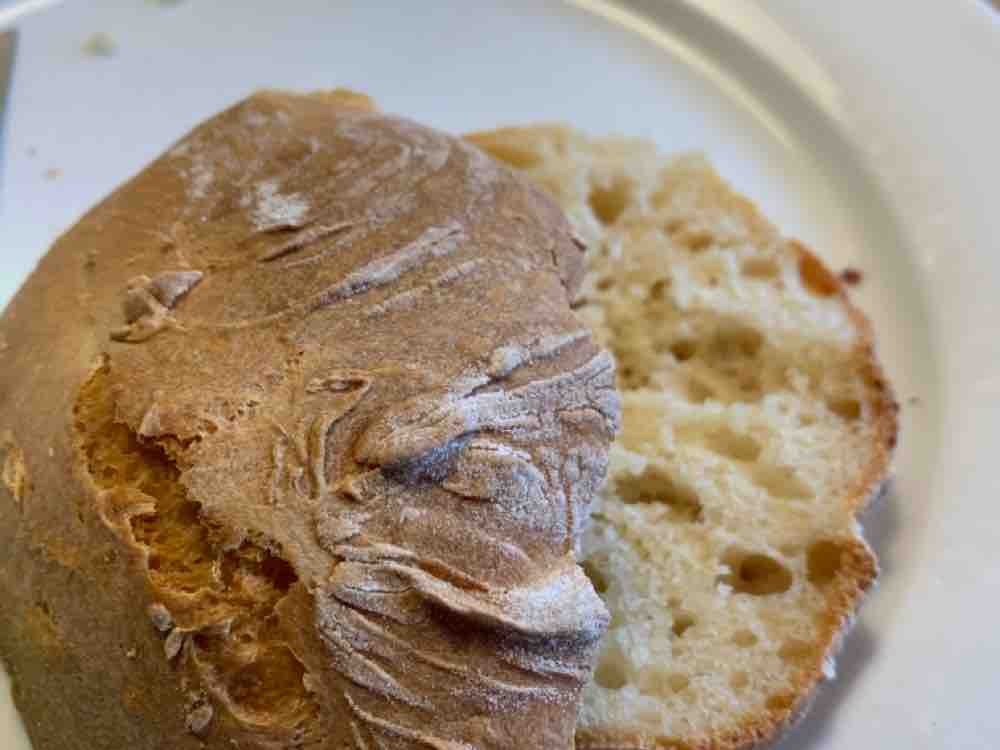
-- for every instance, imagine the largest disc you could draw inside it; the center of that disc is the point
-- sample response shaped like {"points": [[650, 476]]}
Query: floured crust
{"points": [[559, 159], [302, 436]]}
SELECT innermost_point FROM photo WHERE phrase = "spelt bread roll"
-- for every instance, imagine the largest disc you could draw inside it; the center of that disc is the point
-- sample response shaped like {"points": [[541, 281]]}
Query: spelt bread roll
{"points": [[299, 437], [757, 423]]}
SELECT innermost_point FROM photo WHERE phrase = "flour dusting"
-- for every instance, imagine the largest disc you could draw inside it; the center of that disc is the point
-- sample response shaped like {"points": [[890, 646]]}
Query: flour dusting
{"points": [[273, 210], [200, 175]]}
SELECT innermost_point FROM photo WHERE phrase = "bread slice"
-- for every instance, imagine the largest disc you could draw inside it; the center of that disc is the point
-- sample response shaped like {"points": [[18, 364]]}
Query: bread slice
{"points": [[757, 424], [298, 435]]}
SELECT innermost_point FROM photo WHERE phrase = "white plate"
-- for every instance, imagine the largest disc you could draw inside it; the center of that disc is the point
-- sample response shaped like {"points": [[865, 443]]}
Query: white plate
{"points": [[869, 130]]}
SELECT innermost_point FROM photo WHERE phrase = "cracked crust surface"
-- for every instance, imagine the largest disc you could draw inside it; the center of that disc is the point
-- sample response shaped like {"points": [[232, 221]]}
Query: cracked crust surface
{"points": [[299, 448]]}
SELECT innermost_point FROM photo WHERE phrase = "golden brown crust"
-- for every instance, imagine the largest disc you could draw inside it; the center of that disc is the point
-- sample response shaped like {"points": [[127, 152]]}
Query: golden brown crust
{"points": [[299, 443], [858, 568]]}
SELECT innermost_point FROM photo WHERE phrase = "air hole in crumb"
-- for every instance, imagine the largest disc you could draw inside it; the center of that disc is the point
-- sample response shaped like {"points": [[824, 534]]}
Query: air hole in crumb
{"points": [[278, 571], [656, 486], [780, 703], [610, 672], [749, 384], [604, 283], [608, 202], [734, 445], [653, 681], [761, 268], [693, 238], [682, 622], [823, 561], [596, 576], [796, 650], [874, 379], [816, 278], [252, 563], [678, 682], [782, 482], [739, 680], [658, 291], [807, 420], [745, 638], [696, 242], [755, 574], [632, 366], [734, 341], [698, 391], [845, 408], [658, 682], [631, 378], [684, 349]]}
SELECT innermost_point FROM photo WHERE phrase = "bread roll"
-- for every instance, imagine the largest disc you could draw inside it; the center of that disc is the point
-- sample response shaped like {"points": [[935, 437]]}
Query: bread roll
{"points": [[299, 435]]}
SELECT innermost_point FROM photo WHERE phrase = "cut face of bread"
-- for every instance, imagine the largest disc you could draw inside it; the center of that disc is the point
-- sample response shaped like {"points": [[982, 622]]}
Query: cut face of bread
{"points": [[757, 423]]}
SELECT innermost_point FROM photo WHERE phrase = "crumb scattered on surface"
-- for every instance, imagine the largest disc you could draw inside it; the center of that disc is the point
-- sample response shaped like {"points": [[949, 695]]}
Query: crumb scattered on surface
{"points": [[131, 653], [100, 44], [52, 173], [851, 276]]}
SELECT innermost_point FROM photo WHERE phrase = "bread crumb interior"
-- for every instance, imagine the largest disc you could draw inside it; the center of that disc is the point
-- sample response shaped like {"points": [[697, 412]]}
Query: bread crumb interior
{"points": [[222, 598]]}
